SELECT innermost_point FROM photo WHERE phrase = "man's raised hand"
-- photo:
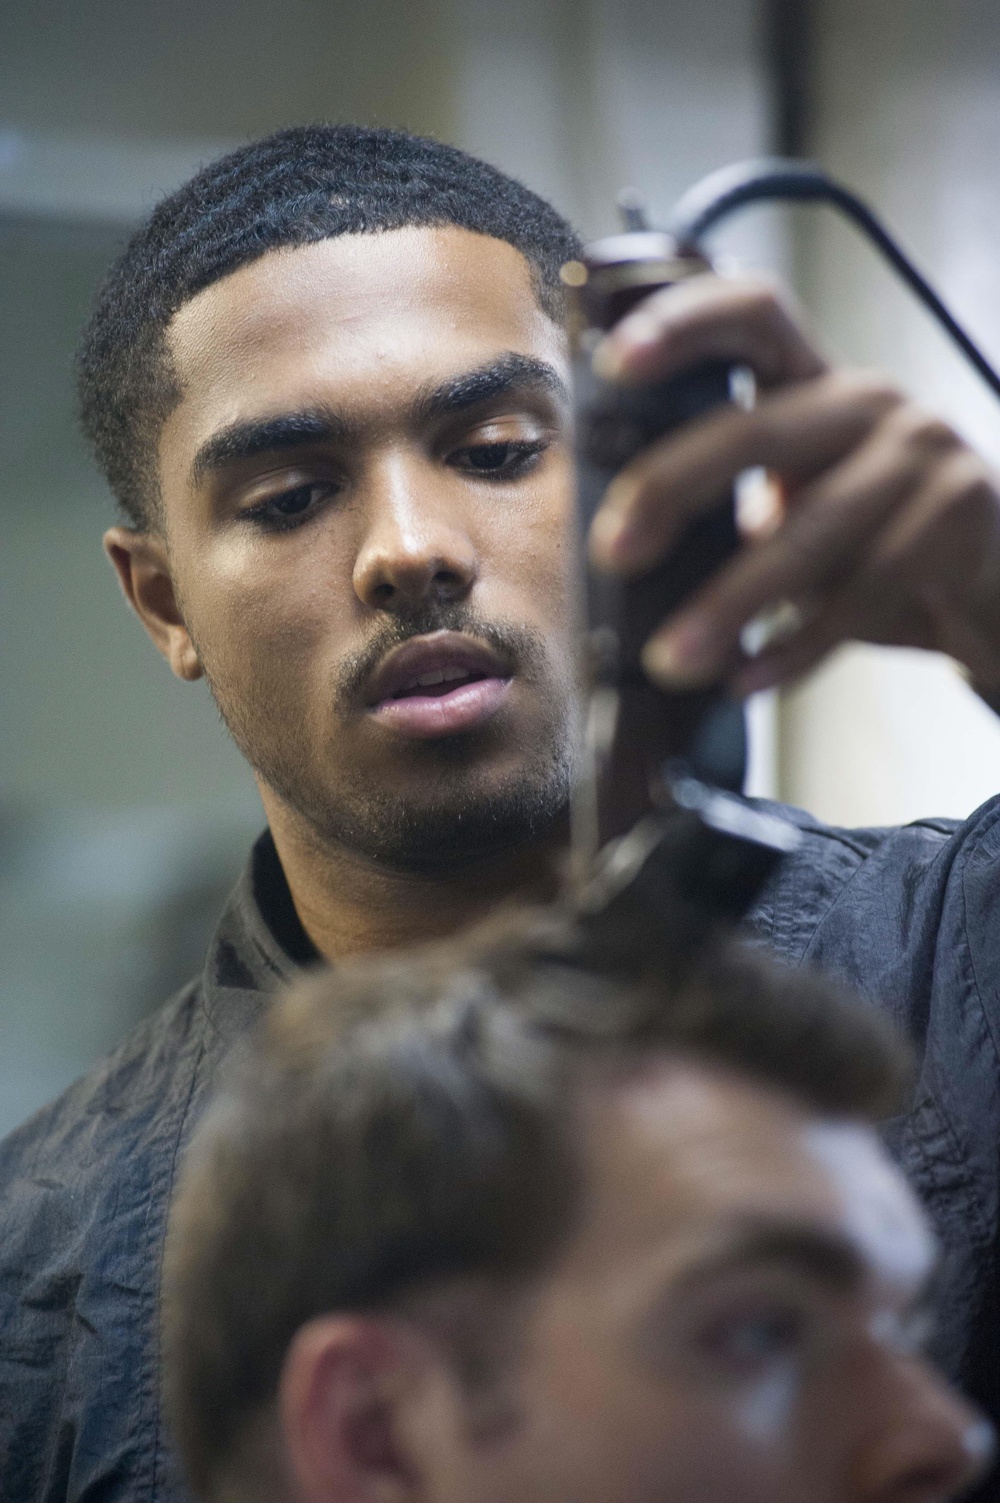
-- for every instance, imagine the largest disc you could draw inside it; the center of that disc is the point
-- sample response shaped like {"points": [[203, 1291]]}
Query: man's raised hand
{"points": [[890, 530]]}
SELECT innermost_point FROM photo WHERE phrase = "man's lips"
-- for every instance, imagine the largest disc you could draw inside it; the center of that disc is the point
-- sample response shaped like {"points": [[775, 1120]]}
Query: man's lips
{"points": [[438, 685]]}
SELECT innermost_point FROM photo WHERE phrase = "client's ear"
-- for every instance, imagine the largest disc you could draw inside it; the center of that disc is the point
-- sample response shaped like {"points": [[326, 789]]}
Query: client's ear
{"points": [[368, 1412], [143, 569]]}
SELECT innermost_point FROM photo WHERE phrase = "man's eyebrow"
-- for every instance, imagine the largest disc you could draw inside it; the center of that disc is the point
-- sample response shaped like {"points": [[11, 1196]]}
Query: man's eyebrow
{"points": [[250, 437], [510, 374], [247, 438]]}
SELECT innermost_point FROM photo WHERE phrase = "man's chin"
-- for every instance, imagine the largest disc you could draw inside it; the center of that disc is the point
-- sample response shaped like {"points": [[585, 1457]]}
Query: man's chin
{"points": [[439, 822], [427, 839]]}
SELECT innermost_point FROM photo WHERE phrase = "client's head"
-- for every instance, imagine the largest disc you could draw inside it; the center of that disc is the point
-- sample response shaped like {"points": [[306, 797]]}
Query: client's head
{"points": [[551, 1215]]}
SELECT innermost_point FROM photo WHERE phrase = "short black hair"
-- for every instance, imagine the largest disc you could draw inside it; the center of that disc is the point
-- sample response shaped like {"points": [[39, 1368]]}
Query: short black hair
{"points": [[407, 1122], [300, 185]]}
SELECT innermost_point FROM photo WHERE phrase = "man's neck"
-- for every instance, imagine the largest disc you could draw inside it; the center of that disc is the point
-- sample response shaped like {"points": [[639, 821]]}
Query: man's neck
{"points": [[348, 904]]}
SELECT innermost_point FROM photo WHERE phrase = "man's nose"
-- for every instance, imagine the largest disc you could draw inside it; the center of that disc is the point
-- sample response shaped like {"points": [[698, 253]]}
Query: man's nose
{"points": [[926, 1445], [415, 547]]}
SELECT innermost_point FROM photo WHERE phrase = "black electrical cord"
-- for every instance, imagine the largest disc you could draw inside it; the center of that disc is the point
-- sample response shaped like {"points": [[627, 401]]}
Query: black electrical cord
{"points": [[767, 179]]}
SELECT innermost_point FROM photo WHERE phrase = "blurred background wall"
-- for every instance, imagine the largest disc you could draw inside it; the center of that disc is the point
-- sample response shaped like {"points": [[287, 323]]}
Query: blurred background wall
{"points": [[124, 812], [900, 98]]}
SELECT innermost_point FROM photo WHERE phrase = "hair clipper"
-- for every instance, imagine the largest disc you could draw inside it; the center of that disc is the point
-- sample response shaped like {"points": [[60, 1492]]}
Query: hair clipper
{"points": [[663, 771]]}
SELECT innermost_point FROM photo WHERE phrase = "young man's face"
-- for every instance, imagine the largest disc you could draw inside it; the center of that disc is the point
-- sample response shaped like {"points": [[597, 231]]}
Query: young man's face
{"points": [[737, 1320], [366, 493]]}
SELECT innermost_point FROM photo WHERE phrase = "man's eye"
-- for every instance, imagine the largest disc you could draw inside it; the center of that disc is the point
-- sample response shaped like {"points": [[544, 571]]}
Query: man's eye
{"points": [[500, 461], [290, 507]]}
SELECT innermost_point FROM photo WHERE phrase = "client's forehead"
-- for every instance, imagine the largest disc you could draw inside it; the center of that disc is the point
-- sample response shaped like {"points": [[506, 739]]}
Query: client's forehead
{"points": [[675, 1136], [677, 1151]]}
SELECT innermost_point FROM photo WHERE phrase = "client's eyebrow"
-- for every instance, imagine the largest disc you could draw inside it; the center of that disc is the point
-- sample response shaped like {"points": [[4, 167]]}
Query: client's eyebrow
{"points": [[248, 438], [820, 1253]]}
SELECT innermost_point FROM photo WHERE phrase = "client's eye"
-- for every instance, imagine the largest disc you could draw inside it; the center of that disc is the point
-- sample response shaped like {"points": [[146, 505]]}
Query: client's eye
{"points": [[289, 508], [501, 461], [908, 1331], [746, 1342]]}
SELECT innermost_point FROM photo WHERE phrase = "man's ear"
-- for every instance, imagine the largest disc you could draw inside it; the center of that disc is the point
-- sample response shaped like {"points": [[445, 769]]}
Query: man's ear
{"points": [[366, 1411], [141, 563]]}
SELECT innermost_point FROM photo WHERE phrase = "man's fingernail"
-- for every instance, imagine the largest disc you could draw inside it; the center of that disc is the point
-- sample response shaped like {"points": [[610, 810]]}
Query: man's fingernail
{"points": [[611, 532], [685, 656], [606, 361], [606, 536], [614, 356]]}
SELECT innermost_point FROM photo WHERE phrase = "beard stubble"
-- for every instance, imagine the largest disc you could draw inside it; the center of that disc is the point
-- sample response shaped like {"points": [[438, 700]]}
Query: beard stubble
{"points": [[465, 813]]}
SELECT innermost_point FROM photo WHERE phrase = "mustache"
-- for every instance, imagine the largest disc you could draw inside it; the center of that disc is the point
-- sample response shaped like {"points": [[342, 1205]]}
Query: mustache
{"points": [[519, 648]]}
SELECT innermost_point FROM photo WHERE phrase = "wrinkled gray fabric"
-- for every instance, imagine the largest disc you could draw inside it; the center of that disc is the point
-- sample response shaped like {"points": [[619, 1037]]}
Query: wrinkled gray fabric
{"points": [[911, 917]]}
